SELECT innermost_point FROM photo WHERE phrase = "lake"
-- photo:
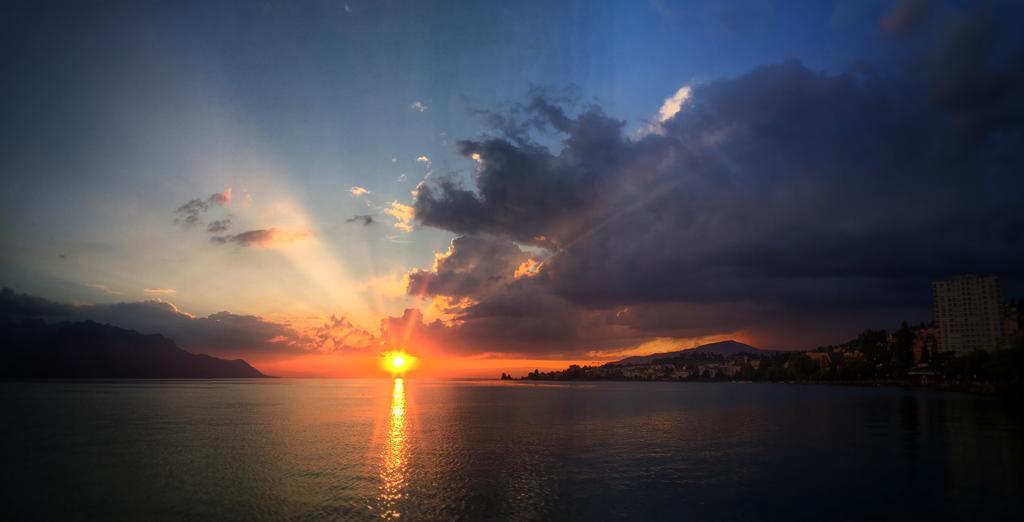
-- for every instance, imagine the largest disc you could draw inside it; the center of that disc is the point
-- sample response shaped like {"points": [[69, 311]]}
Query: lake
{"points": [[463, 450]]}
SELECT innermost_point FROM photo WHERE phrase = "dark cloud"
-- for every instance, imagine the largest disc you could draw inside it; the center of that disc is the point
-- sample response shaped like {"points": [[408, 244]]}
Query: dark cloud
{"points": [[221, 333], [365, 219], [783, 196], [190, 213], [218, 226], [471, 266], [262, 237], [220, 198], [14, 307], [340, 334], [247, 238]]}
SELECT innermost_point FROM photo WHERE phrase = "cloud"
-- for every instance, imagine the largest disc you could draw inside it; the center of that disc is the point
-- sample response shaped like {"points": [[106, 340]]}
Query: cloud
{"points": [[794, 205], [403, 215], [419, 106], [673, 103], [518, 321], [423, 159], [339, 334], [216, 227], [358, 191], [159, 290], [262, 237], [529, 268], [365, 219], [105, 289], [669, 108], [14, 306], [472, 265], [190, 213], [221, 198], [222, 333]]}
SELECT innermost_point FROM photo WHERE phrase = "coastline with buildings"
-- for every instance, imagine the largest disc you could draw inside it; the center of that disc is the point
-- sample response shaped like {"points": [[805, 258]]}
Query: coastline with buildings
{"points": [[975, 343]]}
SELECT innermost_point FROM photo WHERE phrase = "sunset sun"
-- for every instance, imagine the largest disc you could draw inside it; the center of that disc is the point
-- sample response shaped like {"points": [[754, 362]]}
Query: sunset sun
{"points": [[397, 363]]}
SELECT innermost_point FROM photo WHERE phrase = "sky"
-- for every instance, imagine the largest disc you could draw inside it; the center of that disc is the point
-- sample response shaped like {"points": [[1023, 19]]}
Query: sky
{"points": [[504, 185]]}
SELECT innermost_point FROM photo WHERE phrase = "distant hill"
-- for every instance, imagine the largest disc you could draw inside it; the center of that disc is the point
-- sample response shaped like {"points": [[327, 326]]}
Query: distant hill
{"points": [[36, 350], [724, 348]]}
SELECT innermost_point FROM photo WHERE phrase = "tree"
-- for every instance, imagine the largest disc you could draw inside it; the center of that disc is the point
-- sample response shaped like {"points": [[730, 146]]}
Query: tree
{"points": [[902, 353], [802, 367], [748, 373]]}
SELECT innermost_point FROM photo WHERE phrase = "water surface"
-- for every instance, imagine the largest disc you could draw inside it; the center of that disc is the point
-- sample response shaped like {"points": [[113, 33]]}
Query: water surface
{"points": [[350, 449]]}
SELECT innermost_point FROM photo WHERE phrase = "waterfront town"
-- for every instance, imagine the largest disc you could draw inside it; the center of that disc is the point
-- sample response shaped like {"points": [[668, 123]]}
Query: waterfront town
{"points": [[975, 340]]}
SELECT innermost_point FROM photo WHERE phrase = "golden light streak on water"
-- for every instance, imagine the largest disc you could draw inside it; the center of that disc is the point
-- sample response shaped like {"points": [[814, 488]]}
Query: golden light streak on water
{"points": [[394, 458]]}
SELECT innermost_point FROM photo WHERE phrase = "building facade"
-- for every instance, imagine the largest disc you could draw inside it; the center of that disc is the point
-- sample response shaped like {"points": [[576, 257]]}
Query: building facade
{"points": [[925, 343], [1013, 314], [968, 314]]}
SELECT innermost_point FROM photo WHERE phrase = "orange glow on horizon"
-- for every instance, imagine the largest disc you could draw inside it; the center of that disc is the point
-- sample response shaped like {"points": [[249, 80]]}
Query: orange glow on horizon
{"points": [[430, 363], [370, 365]]}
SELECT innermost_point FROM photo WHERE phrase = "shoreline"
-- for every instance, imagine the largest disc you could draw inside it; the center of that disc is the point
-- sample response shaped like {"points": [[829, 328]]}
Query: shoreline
{"points": [[973, 388]]}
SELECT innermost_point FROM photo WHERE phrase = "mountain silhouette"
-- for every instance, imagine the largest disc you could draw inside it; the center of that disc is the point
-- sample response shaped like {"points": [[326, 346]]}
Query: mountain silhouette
{"points": [[34, 349], [724, 348]]}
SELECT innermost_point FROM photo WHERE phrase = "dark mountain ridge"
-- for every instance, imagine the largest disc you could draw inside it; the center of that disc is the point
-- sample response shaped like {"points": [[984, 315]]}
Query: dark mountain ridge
{"points": [[33, 349], [723, 348]]}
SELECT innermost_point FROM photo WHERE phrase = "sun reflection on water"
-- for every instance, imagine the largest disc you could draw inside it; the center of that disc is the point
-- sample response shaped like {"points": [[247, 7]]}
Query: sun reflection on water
{"points": [[394, 457]]}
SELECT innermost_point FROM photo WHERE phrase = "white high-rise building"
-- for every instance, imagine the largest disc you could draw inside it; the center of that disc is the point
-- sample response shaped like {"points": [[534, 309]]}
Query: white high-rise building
{"points": [[968, 314]]}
